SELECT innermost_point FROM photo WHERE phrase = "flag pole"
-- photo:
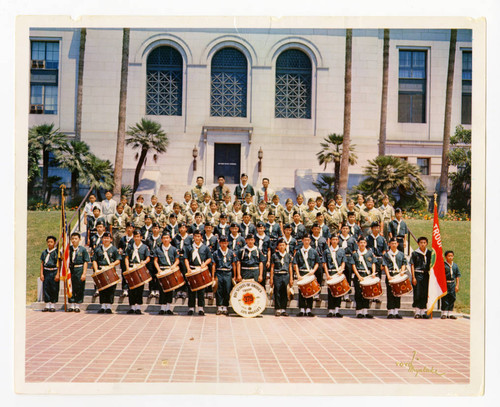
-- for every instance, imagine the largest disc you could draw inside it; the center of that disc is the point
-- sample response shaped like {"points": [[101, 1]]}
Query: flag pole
{"points": [[63, 187]]}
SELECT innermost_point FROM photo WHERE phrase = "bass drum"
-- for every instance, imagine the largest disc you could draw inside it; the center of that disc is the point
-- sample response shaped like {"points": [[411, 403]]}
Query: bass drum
{"points": [[248, 298]]}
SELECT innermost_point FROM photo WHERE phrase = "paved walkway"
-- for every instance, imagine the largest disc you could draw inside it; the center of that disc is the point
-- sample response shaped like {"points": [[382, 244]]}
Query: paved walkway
{"points": [[86, 347]]}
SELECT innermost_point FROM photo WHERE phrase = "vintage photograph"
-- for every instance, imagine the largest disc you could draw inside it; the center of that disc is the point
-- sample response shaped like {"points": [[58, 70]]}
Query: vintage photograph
{"points": [[281, 204]]}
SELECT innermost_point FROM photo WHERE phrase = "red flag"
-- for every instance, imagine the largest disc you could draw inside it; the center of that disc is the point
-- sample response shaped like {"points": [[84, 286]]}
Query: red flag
{"points": [[437, 275], [65, 270]]}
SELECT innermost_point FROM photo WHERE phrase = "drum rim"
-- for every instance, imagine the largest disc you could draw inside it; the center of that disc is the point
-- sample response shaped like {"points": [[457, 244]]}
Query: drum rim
{"points": [[197, 271], [141, 283], [256, 285], [201, 287], [100, 271], [163, 273], [109, 285], [173, 288], [372, 281], [400, 279], [306, 280], [341, 277], [130, 270]]}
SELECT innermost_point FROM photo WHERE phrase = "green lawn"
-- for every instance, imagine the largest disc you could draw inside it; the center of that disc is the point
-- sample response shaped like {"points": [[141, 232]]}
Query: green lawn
{"points": [[455, 236], [40, 225]]}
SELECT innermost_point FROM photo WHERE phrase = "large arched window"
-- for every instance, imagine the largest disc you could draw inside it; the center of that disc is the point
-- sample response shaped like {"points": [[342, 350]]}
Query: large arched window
{"points": [[293, 85], [228, 90], [164, 82]]}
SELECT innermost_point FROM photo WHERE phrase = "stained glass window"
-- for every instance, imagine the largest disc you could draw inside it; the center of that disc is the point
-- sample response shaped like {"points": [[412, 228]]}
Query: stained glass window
{"points": [[228, 89], [293, 85], [164, 82]]}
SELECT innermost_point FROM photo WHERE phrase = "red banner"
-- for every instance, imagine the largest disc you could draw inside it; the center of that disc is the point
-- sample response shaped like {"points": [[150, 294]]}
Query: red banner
{"points": [[437, 278]]}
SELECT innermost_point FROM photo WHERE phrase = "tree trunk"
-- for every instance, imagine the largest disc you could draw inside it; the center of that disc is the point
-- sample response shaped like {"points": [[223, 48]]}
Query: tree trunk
{"points": [[81, 60], [138, 169], [122, 112], [443, 181], [383, 108], [45, 173], [336, 184], [344, 163], [74, 184]]}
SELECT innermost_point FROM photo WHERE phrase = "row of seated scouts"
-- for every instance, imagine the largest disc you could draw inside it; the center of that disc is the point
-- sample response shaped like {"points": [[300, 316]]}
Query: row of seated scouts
{"points": [[247, 252]]}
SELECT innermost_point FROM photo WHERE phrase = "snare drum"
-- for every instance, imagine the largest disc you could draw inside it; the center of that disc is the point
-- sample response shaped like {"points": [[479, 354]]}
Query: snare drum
{"points": [[309, 286], [170, 279], [400, 285], [105, 277], [137, 276], [199, 278], [338, 285], [371, 287]]}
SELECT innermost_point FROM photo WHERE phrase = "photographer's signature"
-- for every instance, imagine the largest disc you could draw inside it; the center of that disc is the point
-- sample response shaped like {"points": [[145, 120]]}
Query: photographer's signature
{"points": [[413, 369]]}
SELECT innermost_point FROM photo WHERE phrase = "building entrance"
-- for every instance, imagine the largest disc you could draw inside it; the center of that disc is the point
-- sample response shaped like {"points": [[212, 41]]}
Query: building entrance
{"points": [[227, 160]]}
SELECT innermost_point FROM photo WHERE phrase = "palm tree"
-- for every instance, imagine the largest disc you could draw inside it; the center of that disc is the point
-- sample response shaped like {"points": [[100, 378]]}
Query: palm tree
{"points": [[146, 135], [74, 157], [443, 181], [122, 112], [389, 175], [34, 157], [79, 95], [46, 139], [98, 174], [331, 151], [385, 82], [344, 162]]}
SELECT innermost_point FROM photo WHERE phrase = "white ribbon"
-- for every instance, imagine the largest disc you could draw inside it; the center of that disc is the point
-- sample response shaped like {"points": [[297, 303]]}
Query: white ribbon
{"points": [[75, 250], [374, 240], [105, 252], [261, 241], [399, 226]]}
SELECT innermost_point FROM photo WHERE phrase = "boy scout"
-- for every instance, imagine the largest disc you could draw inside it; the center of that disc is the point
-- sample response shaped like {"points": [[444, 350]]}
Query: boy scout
{"points": [[333, 218], [265, 193], [260, 215], [281, 277], [298, 229], [226, 206], [151, 209], [306, 262], [248, 205], [363, 265], [236, 214], [354, 228], [319, 244], [398, 229], [263, 243], [243, 188], [339, 206], [165, 255], [78, 262], [191, 212], [452, 282], [209, 239], [334, 261], [221, 190], [106, 255], [205, 204], [236, 241], [370, 215], [360, 205], [153, 241], [249, 264], [197, 255], [159, 216], [178, 213], [92, 222], [147, 229], [247, 227], [168, 208], [212, 215], [324, 230], [289, 240], [387, 211], [138, 216], [378, 245], [199, 190], [187, 202], [49, 274], [118, 224], [172, 226], [319, 204], [286, 215], [275, 205], [420, 262], [122, 248], [273, 230], [394, 265], [126, 207], [222, 228], [224, 270], [348, 243], [310, 214], [198, 223], [181, 241], [136, 253], [300, 206]]}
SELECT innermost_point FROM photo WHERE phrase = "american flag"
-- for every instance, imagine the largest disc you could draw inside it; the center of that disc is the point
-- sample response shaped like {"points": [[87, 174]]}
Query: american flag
{"points": [[64, 253]]}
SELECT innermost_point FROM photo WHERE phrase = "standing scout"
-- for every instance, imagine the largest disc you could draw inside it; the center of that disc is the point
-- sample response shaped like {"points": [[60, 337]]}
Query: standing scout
{"points": [[263, 242], [265, 193], [221, 190], [370, 215], [319, 204], [197, 255], [249, 264], [243, 188], [339, 206], [319, 244], [153, 241], [199, 190], [159, 216], [452, 282], [213, 215], [106, 255], [181, 241], [248, 205], [178, 214], [398, 229], [281, 277], [168, 207], [333, 218], [300, 207], [363, 266], [222, 228], [260, 214], [108, 207], [348, 243], [118, 224], [137, 253], [247, 227], [360, 205], [205, 205], [151, 209], [236, 214], [387, 211], [310, 214], [378, 245], [125, 241], [89, 213], [187, 202], [236, 241], [306, 262], [394, 264], [275, 205], [298, 229], [165, 255], [289, 240], [126, 207], [273, 230], [226, 206], [224, 270], [334, 261], [49, 274], [172, 226], [92, 222], [138, 216], [198, 223], [420, 262], [78, 262], [209, 238], [286, 215], [147, 229]]}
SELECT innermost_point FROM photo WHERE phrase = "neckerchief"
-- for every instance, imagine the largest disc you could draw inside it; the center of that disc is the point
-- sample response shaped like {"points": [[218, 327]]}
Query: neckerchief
{"points": [[165, 252], [136, 252], [393, 255], [47, 258], [305, 253], [196, 255], [105, 252], [249, 251], [333, 252], [362, 259]]}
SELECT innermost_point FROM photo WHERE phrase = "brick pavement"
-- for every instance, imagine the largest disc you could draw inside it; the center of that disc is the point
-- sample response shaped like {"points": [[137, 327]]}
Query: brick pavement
{"points": [[85, 347]]}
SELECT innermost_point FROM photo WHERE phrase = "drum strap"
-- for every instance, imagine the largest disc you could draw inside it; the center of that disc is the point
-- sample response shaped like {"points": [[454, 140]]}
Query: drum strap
{"points": [[304, 256], [393, 258], [362, 260], [334, 258], [105, 252]]}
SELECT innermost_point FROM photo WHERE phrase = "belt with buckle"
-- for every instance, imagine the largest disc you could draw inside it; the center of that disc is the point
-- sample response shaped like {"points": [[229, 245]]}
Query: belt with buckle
{"points": [[50, 269]]}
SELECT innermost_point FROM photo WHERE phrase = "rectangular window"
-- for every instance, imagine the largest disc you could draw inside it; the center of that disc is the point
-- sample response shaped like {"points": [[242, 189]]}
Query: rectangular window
{"points": [[466, 87], [412, 86], [424, 165], [44, 77]]}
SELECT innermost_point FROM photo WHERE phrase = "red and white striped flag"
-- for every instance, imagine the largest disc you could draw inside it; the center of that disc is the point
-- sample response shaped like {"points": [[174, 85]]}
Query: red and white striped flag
{"points": [[437, 275], [65, 270]]}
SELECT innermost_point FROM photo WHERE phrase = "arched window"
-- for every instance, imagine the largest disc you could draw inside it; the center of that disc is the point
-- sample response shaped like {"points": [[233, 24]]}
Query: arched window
{"points": [[164, 82], [228, 90], [293, 85]]}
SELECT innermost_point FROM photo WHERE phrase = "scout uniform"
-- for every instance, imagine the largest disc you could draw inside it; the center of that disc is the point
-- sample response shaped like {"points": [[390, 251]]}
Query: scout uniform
{"points": [[128, 210], [250, 260], [91, 225], [196, 255], [198, 193], [333, 220], [225, 207], [168, 208], [387, 215], [212, 218], [394, 262], [354, 230], [250, 208], [259, 216], [166, 257], [291, 245], [136, 254], [265, 194], [95, 241], [378, 246], [452, 273], [77, 259], [286, 216], [104, 257], [274, 232], [146, 232], [305, 261], [421, 263], [398, 229], [240, 191], [185, 206], [122, 248], [160, 218], [247, 228], [235, 217], [222, 229], [118, 223], [181, 242], [236, 243], [333, 259], [309, 218], [218, 193], [363, 263], [277, 209], [300, 209], [349, 245], [224, 264], [263, 242], [319, 244], [50, 285], [108, 210], [298, 231], [138, 219], [280, 275], [211, 241], [368, 217], [173, 230], [154, 287], [196, 226]]}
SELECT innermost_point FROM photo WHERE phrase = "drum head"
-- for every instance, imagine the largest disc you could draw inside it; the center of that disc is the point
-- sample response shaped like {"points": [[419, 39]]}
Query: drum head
{"points": [[248, 299], [399, 279], [370, 281], [337, 278], [306, 280]]}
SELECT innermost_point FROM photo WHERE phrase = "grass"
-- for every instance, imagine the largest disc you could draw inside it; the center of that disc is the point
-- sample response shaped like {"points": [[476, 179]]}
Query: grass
{"points": [[40, 225], [455, 236]]}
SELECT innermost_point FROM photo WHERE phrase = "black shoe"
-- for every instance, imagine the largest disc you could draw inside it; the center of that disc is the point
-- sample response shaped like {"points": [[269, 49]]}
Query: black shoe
{"points": [[219, 312], [300, 314], [190, 312], [77, 309], [425, 316], [130, 311], [283, 314], [452, 317], [101, 311], [360, 316], [201, 313], [348, 300], [310, 314], [417, 316], [339, 315], [45, 310], [162, 312], [330, 315], [71, 309], [277, 314], [108, 311], [443, 317], [390, 316], [138, 312], [52, 310], [169, 312], [376, 300], [369, 316], [184, 295], [397, 316]]}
